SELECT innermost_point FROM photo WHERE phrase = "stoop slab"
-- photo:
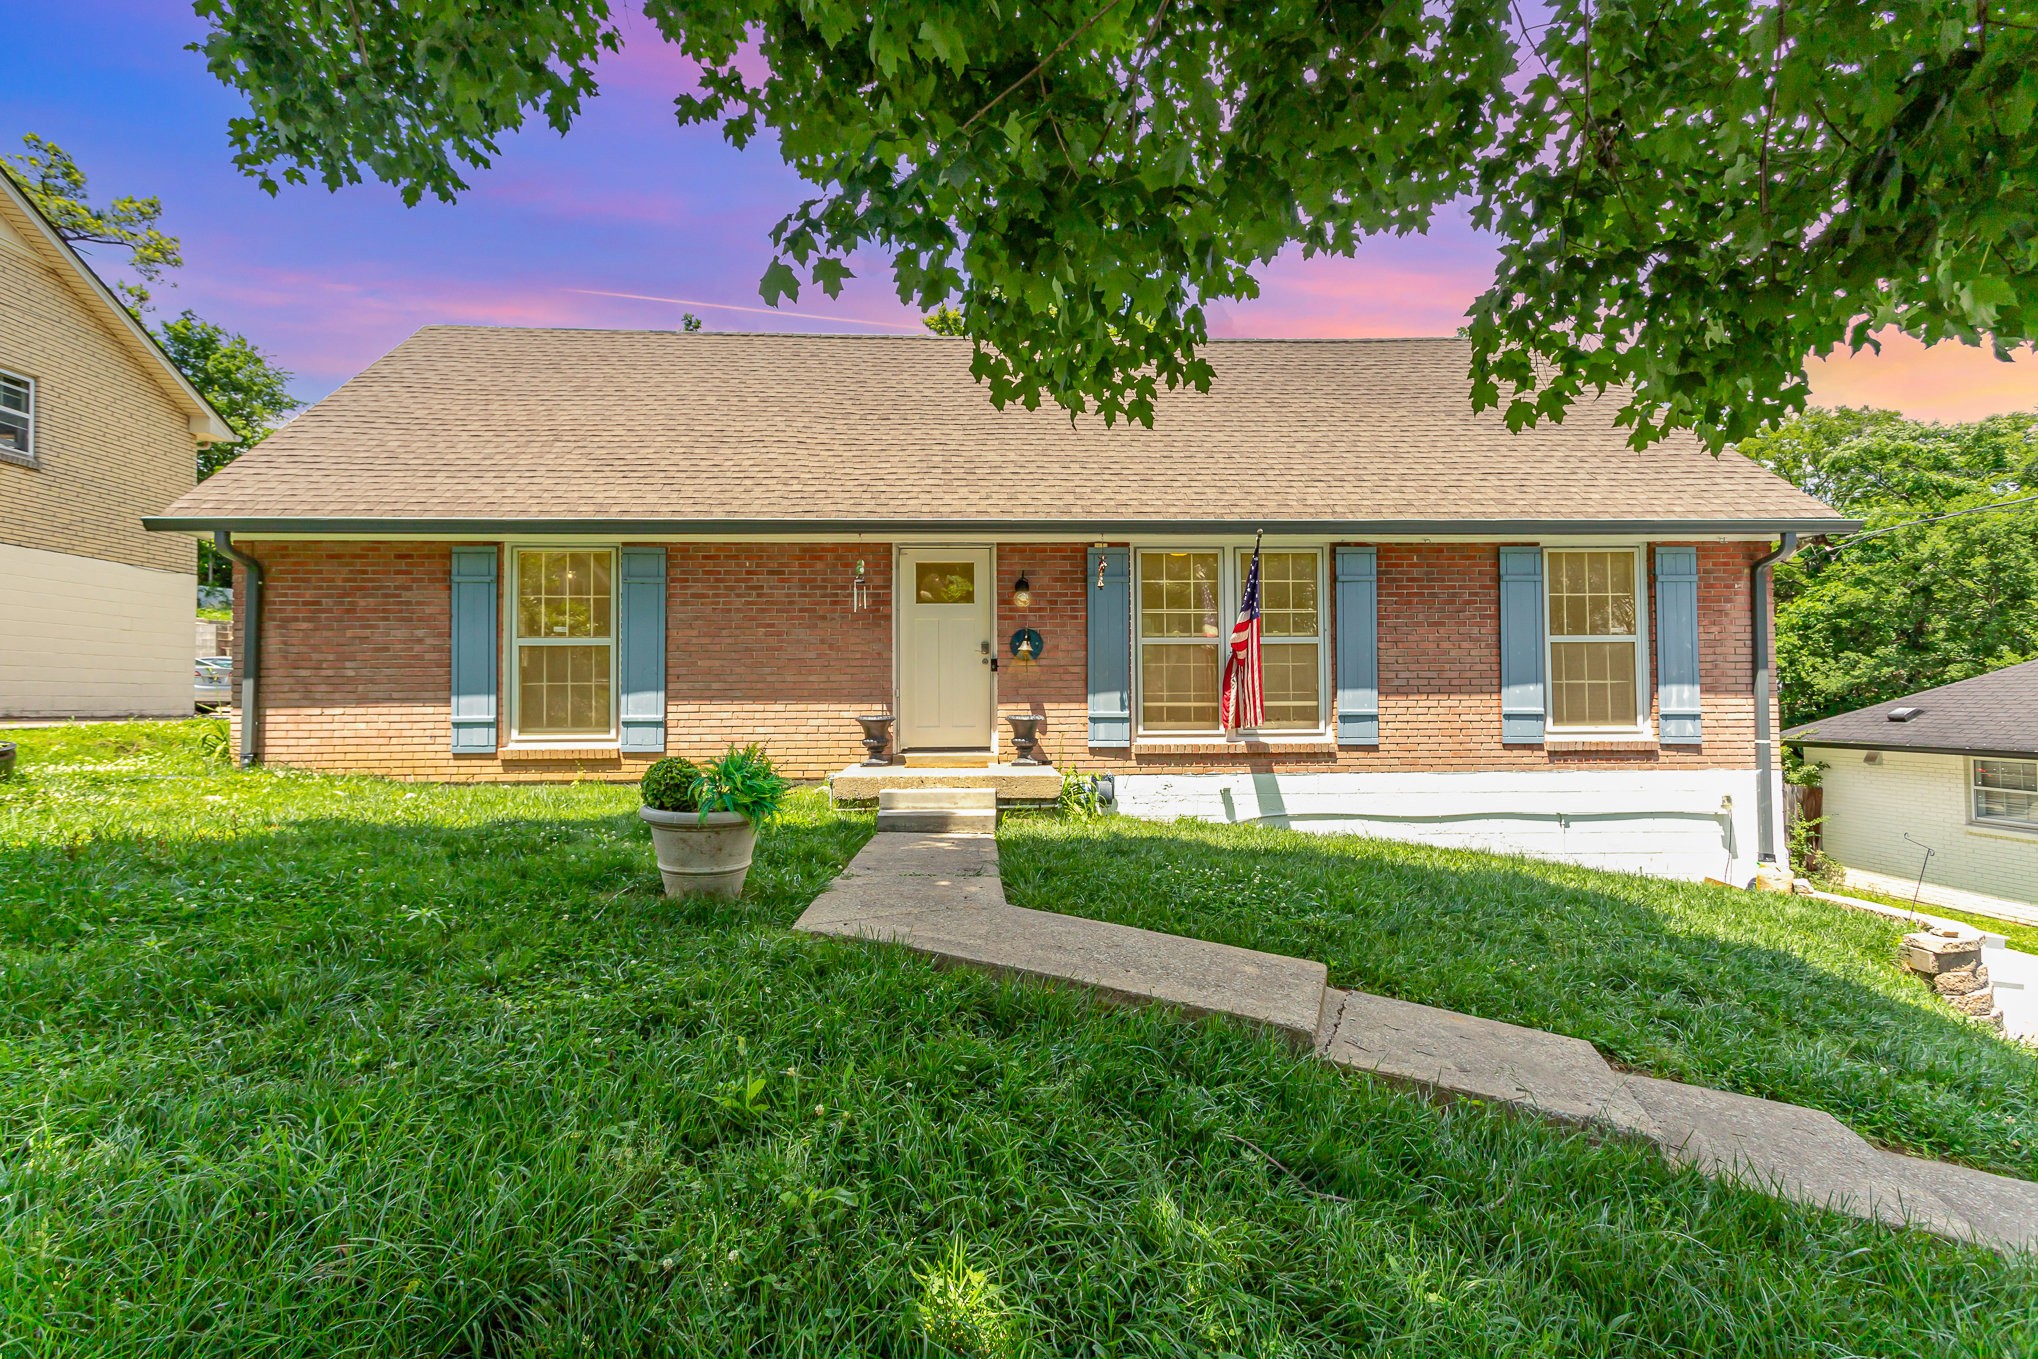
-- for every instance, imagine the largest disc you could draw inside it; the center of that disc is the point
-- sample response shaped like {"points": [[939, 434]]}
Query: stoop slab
{"points": [[1475, 1058]]}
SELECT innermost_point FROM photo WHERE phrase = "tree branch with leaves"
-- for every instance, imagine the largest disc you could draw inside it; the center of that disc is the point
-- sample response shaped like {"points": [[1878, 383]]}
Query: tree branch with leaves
{"points": [[1690, 196]]}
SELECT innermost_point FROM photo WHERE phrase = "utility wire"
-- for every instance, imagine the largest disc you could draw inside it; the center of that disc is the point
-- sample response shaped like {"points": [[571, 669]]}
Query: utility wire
{"points": [[1854, 538]]}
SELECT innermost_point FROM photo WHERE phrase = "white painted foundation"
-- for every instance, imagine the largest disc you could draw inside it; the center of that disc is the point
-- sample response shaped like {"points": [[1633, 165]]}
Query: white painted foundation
{"points": [[81, 637], [1686, 824]]}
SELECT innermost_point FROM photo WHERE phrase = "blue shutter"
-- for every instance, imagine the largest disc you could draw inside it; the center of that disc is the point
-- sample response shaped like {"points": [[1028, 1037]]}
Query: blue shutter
{"points": [[1110, 658], [1358, 647], [1521, 645], [640, 649], [1677, 645], [474, 649]]}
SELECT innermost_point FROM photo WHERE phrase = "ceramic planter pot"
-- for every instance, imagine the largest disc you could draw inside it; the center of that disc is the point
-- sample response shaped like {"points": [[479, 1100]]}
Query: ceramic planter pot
{"points": [[710, 857]]}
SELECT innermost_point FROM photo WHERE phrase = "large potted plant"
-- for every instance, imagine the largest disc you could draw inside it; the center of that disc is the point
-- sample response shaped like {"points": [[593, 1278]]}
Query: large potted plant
{"points": [[704, 820]]}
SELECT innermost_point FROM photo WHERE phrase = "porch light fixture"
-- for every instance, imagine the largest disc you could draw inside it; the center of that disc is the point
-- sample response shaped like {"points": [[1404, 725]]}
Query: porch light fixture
{"points": [[1022, 592]]}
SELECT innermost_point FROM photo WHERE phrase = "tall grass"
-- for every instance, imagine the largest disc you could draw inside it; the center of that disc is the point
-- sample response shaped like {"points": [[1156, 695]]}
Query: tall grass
{"points": [[1785, 997], [302, 1065]]}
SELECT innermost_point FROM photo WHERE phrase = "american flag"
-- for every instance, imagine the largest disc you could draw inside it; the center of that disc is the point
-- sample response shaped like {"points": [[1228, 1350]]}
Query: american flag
{"points": [[1243, 702]]}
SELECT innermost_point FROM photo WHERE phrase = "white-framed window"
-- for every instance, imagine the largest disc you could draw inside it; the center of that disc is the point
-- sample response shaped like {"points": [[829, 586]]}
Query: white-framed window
{"points": [[17, 417], [1186, 600], [2003, 793], [1596, 622], [562, 644]]}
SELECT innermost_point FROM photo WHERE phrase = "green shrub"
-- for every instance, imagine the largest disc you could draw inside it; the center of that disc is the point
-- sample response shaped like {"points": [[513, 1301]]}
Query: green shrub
{"points": [[744, 782], [672, 785]]}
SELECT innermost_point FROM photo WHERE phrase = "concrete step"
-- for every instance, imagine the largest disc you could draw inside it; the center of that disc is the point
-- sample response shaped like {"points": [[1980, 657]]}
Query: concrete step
{"points": [[938, 810], [948, 759], [1012, 783]]}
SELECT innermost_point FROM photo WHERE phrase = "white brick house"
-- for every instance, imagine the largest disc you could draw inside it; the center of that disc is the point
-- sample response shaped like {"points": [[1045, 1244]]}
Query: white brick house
{"points": [[1952, 770]]}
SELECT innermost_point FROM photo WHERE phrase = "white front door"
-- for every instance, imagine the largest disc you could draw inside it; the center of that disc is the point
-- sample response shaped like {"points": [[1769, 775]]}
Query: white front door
{"points": [[945, 648]]}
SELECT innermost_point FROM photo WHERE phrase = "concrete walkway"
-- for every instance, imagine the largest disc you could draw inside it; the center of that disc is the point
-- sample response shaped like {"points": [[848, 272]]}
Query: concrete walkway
{"points": [[939, 894]]}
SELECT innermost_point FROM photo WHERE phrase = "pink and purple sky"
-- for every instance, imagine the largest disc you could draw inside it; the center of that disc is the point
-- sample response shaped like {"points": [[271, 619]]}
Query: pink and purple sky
{"points": [[593, 228]]}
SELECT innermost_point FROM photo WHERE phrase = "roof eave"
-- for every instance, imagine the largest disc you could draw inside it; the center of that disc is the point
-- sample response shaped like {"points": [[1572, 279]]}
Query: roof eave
{"points": [[1079, 528], [206, 424], [1798, 738]]}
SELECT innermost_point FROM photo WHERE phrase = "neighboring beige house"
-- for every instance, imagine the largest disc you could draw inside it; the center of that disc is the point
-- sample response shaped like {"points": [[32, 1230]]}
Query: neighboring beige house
{"points": [[97, 428], [1953, 770]]}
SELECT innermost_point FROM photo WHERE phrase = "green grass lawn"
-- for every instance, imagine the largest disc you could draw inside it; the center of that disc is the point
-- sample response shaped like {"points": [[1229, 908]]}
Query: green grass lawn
{"points": [[301, 1065], [2024, 938], [1784, 997]]}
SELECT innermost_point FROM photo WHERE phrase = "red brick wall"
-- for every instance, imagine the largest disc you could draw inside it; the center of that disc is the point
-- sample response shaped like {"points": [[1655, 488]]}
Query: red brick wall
{"points": [[1439, 636], [763, 646]]}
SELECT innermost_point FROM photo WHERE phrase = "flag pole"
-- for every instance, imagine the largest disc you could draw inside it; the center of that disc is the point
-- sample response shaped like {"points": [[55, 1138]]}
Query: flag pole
{"points": [[1227, 701]]}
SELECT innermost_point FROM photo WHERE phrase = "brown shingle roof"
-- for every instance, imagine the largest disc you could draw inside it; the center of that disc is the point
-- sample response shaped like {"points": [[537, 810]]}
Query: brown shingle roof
{"points": [[471, 424], [1992, 714]]}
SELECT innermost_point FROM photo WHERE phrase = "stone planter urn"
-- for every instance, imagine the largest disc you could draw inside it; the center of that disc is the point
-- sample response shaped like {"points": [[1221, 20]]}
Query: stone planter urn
{"points": [[877, 736], [708, 856], [1026, 738]]}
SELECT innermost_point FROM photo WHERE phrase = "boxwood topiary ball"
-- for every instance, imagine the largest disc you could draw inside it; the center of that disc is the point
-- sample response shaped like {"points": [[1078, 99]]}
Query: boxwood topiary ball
{"points": [[669, 785]]}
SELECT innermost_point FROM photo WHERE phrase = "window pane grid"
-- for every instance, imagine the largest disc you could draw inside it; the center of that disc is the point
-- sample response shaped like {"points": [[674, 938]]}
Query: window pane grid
{"points": [[1178, 595], [1187, 602], [1178, 687], [1287, 592], [17, 407], [2006, 790], [565, 609], [1594, 617]]}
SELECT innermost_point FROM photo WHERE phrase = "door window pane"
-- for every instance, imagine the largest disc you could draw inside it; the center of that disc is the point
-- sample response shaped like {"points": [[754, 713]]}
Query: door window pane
{"points": [[1178, 595], [1178, 687], [945, 582]]}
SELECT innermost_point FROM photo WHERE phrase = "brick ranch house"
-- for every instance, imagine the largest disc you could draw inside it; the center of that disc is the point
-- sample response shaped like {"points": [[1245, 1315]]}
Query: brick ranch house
{"points": [[536, 554]]}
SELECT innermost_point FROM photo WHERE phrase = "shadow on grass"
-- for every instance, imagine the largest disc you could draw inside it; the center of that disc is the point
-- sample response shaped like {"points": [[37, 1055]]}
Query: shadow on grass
{"points": [[1782, 997], [429, 1078]]}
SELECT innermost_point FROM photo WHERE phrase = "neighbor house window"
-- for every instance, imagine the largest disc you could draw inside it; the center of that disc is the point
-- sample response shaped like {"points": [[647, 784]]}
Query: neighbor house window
{"points": [[2006, 793], [1188, 601], [564, 643], [17, 417], [1595, 631]]}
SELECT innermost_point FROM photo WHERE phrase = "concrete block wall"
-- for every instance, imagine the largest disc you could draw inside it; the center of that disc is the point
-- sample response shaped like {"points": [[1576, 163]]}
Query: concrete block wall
{"points": [[83, 637]]}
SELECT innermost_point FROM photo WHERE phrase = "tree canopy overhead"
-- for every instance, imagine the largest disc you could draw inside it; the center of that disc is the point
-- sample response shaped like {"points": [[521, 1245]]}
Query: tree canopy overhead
{"points": [[1690, 195], [1938, 588]]}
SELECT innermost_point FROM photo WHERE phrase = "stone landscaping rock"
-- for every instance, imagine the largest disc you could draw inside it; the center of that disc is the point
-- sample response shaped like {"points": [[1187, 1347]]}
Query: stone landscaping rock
{"points": [[1950, 957]]}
